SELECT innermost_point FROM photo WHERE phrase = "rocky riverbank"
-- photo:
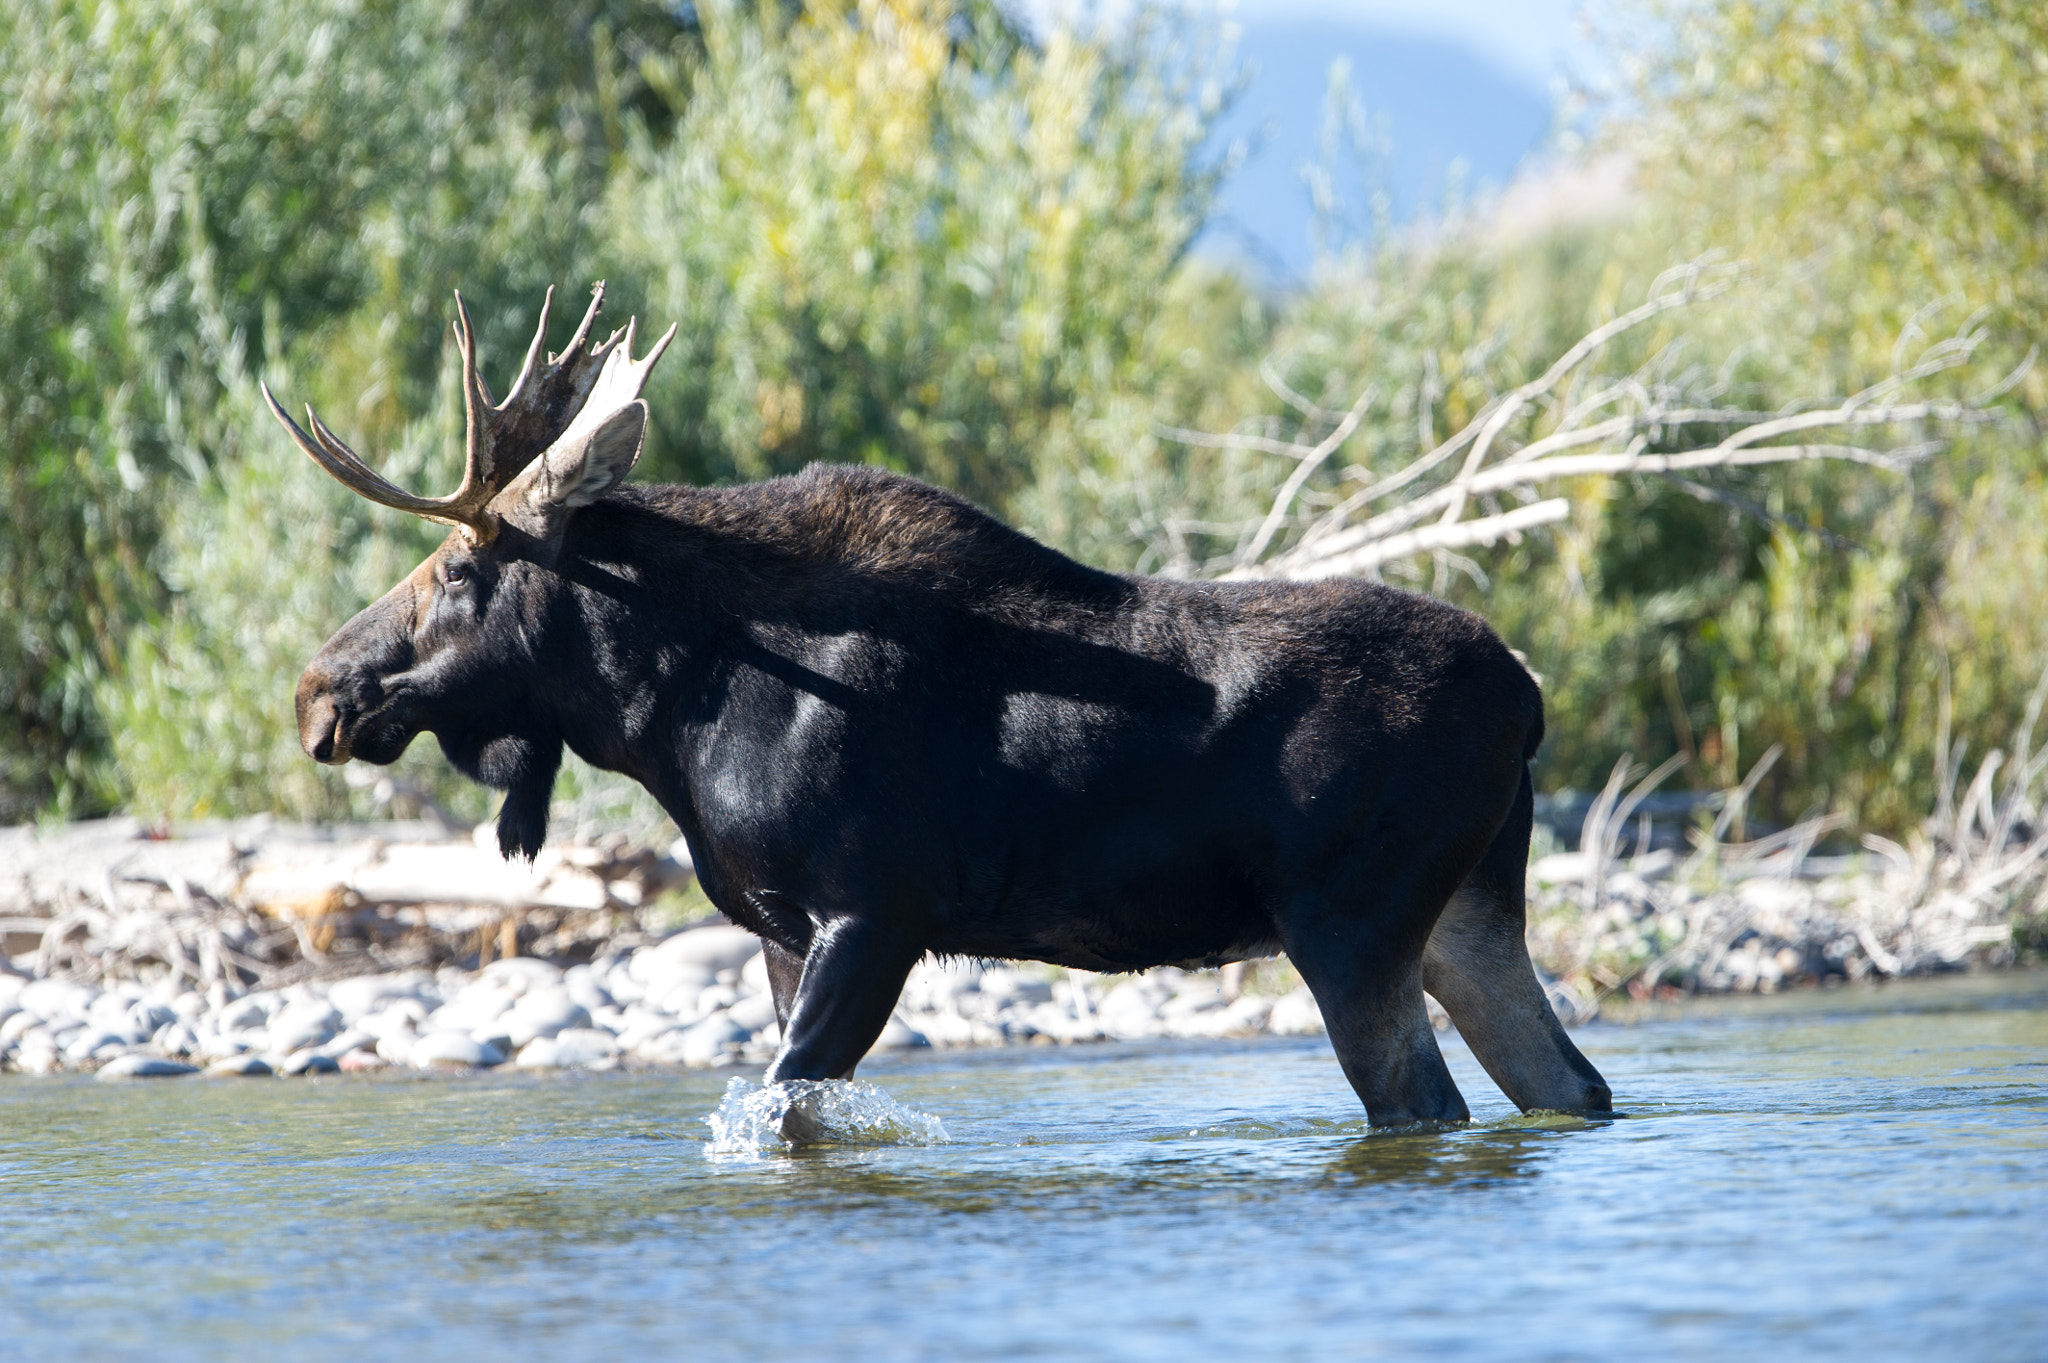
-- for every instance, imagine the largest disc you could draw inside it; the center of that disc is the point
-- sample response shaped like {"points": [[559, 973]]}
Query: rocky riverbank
{"points": [[256, 948], [697, 998]]}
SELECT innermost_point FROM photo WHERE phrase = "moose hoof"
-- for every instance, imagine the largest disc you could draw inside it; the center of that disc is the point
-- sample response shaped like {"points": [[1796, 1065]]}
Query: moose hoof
{"points": [[800, 1126]]}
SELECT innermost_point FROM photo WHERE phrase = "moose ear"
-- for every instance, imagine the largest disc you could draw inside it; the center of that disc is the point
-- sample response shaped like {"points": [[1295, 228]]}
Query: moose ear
{"points": [[584, 465]]}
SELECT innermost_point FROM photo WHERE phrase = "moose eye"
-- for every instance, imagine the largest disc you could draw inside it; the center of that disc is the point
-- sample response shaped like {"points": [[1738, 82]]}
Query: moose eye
{"points": [[455, 574]]}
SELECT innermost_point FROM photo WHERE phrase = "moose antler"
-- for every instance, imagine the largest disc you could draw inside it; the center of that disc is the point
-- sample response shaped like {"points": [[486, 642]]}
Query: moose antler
{"points": [[503, 438]]}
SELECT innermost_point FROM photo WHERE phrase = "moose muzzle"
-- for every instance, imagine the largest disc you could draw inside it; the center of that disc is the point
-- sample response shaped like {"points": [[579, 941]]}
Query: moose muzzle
{"points": [[320, 722]]}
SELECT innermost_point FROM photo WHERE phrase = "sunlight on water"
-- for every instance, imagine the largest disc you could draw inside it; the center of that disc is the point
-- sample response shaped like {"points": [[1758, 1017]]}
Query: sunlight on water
{"points": [[1861, 1173], [750, 1120]]}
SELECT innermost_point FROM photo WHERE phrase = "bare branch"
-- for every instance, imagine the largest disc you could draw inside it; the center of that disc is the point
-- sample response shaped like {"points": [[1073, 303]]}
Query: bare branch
{"points": [[1368, 557], [1329, 446], [1230, 441]]}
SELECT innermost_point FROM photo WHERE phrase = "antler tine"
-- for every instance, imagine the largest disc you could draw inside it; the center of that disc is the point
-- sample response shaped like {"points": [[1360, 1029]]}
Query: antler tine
{"points": [[582, 336], [535, 349], [331, 453], [463, 507]]}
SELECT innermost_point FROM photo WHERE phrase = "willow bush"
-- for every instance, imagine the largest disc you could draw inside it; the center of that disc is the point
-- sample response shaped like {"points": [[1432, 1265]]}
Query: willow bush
{"points": [[903, 232]]}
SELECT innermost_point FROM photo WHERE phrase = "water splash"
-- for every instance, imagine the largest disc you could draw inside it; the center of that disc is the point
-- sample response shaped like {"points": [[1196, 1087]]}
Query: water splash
{"points": [[749, 1122]]}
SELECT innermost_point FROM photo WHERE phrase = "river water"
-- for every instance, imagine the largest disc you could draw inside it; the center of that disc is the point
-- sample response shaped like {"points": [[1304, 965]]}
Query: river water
{"points": [[1857, 1173]]}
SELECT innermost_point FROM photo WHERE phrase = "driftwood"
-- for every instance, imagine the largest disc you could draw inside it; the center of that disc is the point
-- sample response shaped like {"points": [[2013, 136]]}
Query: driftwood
{"points": [[262, 902], [1533, 444]]}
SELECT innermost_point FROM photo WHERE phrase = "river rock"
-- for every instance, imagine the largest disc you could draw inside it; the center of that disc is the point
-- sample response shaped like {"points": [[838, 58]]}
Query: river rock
{"points": [[753, 1013], [309, 1062], [584, 986], [1246, 1017], [1194, 996], [95, 1043], [714, 1041], [51, 999], [479, 1005], [684, 999], [16, 1025], [1296, 1014], [521, 975], [709, 949], [404, 1017], [303, 1025], [250, 1013], [144, 1067], [1130, 1012], [176, 1039], [364, 995], [1001, 982], [640, 1024], [452, 1048], [543, 1012], [571, 1048], [349, 1039], [240, 1067], [898, 1036], [661, 1048], [360, 1061], [225, 1045]]}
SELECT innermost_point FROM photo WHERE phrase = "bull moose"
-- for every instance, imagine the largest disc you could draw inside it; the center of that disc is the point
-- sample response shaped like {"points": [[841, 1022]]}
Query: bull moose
{"points": [[890, 725]]}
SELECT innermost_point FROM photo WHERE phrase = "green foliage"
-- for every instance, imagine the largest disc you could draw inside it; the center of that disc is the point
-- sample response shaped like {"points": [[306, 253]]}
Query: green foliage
{"points": [[892, 233], [896, 231]]}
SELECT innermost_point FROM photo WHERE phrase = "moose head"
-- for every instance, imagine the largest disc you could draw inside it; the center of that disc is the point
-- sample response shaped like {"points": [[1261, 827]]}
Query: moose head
{"points": [[449, 650]]}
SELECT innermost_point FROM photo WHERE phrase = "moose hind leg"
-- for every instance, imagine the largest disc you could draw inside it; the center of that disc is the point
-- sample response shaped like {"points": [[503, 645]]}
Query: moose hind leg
{"points": [[1369, 987], [1477, 966], [785, 972]]}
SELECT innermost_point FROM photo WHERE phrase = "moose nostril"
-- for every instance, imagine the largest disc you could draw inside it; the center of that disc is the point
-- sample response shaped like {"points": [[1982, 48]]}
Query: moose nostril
{"points": [[320, 728]]}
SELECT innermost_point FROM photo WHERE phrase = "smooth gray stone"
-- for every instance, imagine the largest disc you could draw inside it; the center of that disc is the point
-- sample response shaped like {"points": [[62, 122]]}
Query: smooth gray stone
{"points": [[452, 1048], [310, 1062], [240, 1065], [539, 1015], [304, 1025], [144, 1067]]}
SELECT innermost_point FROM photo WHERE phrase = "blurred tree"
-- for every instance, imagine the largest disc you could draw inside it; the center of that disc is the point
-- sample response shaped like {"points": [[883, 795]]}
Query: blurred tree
{"points": [[896, 233]]}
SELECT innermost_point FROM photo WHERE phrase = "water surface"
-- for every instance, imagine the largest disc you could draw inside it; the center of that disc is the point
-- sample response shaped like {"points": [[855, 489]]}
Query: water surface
{"points": [[1862, 1172]]}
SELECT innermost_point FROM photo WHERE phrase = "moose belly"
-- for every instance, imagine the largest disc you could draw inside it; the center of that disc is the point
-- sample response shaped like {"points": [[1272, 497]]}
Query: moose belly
{"points": [[1193, 915]]}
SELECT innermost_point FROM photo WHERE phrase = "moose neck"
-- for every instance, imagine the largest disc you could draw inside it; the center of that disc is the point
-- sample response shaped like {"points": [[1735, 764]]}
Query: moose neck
{"points": [[655, 605]]}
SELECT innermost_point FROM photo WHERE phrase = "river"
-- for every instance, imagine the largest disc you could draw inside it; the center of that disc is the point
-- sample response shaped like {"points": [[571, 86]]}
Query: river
{"points": [[1861, 1172]]}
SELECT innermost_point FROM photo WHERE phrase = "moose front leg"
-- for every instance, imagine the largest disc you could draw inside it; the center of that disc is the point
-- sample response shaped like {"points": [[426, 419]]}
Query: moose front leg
{"points": [[847, 988], [851, 981]]}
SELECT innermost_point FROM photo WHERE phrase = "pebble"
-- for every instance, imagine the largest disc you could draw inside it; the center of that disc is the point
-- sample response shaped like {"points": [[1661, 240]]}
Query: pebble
{"points": [[144, 1067], [543, 1013], [240, 1066], [309, 1062], [452, 1048], [573, 1048], [1296, 1014], [897, 1036], [302, 1025]]}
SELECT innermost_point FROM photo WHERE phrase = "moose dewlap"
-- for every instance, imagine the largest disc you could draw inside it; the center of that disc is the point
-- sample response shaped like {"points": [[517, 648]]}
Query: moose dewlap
{"points": [[890, 725]]}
